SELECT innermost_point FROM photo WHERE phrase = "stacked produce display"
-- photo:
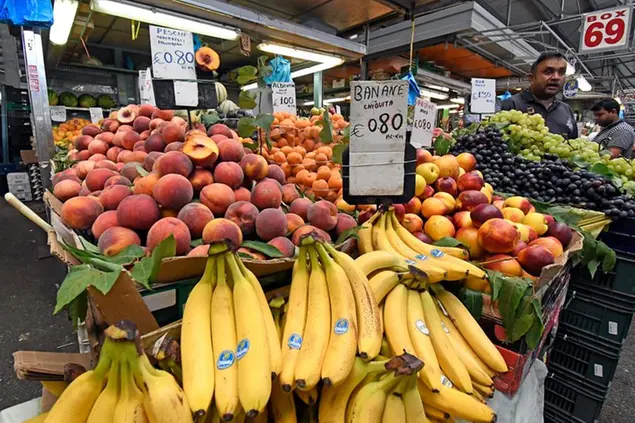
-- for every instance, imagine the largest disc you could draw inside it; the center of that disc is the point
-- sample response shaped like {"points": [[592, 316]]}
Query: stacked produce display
{"points": [[65, 133]]}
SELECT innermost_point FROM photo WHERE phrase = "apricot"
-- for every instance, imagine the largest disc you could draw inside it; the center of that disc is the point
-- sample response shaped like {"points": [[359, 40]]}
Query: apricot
{"points": [[116, 239], [217, 197], [270, 224], [229, 173], [284, 245], [323, 215], [81, 212], [199, 251], [437, 227], [344, 223], [165, 227], [106, 220], [266, 194], [151, 158], [154, 143], [300, 206], [244, 214], [242, 194], [145, 184], [174, 162], [111, 196], [173, 191], [223, 230], [138, 211], [254, 167]]}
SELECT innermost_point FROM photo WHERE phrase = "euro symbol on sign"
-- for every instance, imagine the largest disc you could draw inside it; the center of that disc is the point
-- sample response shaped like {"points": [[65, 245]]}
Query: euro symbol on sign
{"points": [[357, 130]]}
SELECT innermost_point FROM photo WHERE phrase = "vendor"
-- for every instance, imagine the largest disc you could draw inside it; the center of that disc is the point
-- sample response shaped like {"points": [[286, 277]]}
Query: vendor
{"points": [[546, 80], [617, 136]]}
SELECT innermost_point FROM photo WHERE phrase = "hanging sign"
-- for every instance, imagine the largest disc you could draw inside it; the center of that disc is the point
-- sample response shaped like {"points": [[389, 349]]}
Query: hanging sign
{"points": [[377, 138], [483, 96], [146, 90], [245, 45], [425, 121], [608, 29], [186, 93], [58, 113], [172, 53], [570, 88], [283, 97], [96, 114]]}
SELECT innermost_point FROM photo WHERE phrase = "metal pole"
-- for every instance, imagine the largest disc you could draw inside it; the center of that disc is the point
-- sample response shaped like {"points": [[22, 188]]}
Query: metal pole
{"points": [[509, 12], [5, 125], [317, 89], [562, 9]]}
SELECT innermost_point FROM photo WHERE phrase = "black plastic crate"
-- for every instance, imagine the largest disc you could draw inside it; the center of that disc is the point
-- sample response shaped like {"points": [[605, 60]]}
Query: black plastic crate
{"points": [[592, 315], [619, 241], [623, 225], [567, 400], [592, 364], [621, 280]]}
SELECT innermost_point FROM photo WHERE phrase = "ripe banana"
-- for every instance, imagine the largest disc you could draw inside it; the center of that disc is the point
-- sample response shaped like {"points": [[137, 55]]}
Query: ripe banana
{"points": [[395, 319], [457, 404], [485, 391], [420, 337], [370, 331], [342, 345], [394, 410], [309, 397], [368, 404], [365, 235], [281, 405], [224, 344], [252, 352], [471, 331], [295, 320], [197, 357], [412, 403], [382, 283], [38, 419], [316, 331], [129, 408], [379, 260], [448, 360], [54, 387], [436, 414], [104, 409]]}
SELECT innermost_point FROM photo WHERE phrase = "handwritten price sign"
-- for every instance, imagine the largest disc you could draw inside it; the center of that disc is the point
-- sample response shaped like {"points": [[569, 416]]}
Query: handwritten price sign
{"points": [[483, 96], [424, 123], [283, 97], [172, 53], [606, 30]]}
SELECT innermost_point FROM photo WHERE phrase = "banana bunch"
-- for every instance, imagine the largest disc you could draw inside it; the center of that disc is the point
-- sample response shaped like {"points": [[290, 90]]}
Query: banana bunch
{"points": [[383, 232], [123, 388]]}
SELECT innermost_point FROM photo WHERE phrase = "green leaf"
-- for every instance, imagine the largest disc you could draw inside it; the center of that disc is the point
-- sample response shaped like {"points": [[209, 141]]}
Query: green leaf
{"points": [[601, 169], [589, 248], [523, 320], [473, 301], [210, 119], [89, 246], [579, 162], [326, 134], [346, 135], [511, 293], [496, 280], [609, 260], [248, 71], [534, 334], [448, 241], [78, 279], [246, 126], [349, 233], [196, 242], [264, 248], [141, 170], [338, 150], [442, 145], [146, 270], [247, 100], [264, 121], [592, 266], [77, 310], [128, 255], [263, 68]]}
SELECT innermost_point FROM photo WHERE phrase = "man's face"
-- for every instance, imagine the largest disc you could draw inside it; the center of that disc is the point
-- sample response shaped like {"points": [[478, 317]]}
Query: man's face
{"points": [[549, 78], [604, 118]]}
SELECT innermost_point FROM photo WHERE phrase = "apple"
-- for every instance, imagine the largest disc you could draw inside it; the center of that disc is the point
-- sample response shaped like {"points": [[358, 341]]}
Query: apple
{"points": [[536, 221], [429, 171]]}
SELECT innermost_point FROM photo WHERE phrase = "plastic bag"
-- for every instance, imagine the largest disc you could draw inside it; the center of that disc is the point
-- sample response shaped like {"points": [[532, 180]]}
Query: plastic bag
{"points": [[413, 88], [27, 12], [280, 70]]}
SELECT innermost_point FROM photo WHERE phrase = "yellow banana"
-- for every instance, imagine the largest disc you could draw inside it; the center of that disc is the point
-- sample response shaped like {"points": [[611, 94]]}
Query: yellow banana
{"points": [[365, 234], [379, 260], [436, 414], [342, 345], [316, 331], [252, 352], [448, 360], [420, 337], [370, 332], [295, 320], [385, 347], [38, 419], [281, 405], [309, 397], [54, 387], [471, 331], [104, 409], [224, 343], [197, 357], [275, 355], [394, 410], [368, 404], [382, 283], [485, 391], [129, 408], [395, 319], [457, 404], [260, 418], [412, 403], [212, 416]]}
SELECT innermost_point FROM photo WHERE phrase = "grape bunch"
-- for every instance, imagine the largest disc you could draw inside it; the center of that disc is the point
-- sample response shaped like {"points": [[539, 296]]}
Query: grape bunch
{"points": [[549, 180]]}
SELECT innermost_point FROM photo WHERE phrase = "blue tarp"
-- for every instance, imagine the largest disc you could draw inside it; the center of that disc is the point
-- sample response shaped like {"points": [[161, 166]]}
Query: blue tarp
{"points": [[280, 70], [27, 12]]}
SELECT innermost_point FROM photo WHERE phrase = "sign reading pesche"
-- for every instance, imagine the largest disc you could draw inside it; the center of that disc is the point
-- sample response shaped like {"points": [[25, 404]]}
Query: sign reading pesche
{"points": [[606, 30]]}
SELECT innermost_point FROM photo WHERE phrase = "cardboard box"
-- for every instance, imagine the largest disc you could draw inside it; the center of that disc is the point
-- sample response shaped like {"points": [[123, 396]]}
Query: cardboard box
{"points": [[46, 366]]}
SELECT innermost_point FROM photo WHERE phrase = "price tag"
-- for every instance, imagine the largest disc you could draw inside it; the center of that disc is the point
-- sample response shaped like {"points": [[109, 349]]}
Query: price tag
{"points": [[146, 90], [424, 123], [338, 109], [606, 30], [172, 53], [186, 93], [283, 97], [96, 114], [378, 138], [58, 113], [483, 96]]}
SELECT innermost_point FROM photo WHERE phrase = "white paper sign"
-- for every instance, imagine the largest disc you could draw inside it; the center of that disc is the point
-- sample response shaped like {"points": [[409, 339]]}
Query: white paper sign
{"points": [[378, 137], [186, 93], [58, 113], [483, 96], [146, 90], [424, 123], [283, 97], [172, 53], [96, 114]]}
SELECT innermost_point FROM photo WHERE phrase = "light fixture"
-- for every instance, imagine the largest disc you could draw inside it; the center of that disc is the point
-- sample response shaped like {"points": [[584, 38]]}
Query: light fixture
{"points": [[437, 87], [619, 101], [63, 18], [458, 100], [583, 84], [448, 106], [433, 94], [336, 100], [570, 69], [151, 15]]}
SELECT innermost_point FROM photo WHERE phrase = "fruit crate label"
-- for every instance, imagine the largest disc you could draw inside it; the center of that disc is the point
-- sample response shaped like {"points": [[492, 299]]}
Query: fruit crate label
{"points": [[613, 328], [424, 123], [377, 138], [96, 114], [283, 97], [186, 93], [58, 113], [483, 96], [172, 53], [598, 370]]}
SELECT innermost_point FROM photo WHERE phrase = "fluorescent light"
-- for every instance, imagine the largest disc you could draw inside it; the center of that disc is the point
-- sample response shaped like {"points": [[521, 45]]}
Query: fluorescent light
{"points": [[619, 101], [433, 94], [337, 100], [63, 18], [570, 69], [453, 112], [583, 84], [448, 106], [458, 100], [164, 18], [298, 53], [308, 103], [437, 87]]}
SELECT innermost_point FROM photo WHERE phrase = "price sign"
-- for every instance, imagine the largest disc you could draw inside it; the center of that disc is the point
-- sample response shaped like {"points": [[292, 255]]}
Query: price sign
{"points": [[58, 113], [146, 90], [283, 97], [96, 114], [607, 29], [424, 123], [377, 138], [483, 96], [186, 93], [172, 53]]}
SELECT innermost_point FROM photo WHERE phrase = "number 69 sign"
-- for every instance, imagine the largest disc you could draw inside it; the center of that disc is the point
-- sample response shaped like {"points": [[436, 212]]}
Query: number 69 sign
{"points": [[606, 30]]}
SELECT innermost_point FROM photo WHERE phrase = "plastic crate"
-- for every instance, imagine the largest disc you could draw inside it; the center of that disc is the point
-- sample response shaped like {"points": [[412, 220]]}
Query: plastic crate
{"points": [[619, 241], [592, 315], [591, 363], [624, 226], [620, 280], [572, 403]]}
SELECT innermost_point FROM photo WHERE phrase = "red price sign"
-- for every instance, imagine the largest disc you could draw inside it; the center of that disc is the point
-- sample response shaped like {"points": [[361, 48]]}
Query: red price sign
{"points": [[606, 30]]}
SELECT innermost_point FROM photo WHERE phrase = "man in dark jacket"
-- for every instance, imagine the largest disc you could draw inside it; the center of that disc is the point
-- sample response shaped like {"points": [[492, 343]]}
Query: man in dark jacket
{"points": [[616, 135], [548, 75]]}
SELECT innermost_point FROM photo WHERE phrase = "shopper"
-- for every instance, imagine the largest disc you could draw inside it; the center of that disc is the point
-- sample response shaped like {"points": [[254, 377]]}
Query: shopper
{"points": [[617, 136], [546, 80]]}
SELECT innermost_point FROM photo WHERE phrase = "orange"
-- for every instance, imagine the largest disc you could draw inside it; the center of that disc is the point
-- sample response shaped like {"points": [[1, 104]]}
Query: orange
{"points": [[310, 178], [321, 188], [324, 172], [335, 182], [279, 157], [301, 176], [294, 158]]}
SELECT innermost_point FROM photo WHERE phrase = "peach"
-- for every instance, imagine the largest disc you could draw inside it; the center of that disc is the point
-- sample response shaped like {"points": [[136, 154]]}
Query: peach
{"points": [[429, 171], [137, 156], [82, 155], [323, 215], [399, 210], [220, 129], [82, 168], [412, 222], [550, 243], [145, 184], [467, 161], [527, 233], [98, 147], [266, 194], [105, 164], [223, 230], [116, 239], [201, 150], [91, 130], [96, 178], [174, 162], [231, 151], [468, 200], [123, 156], [84, 191], [534, 258], [242, 194], [173, 191], [499, 204], [504, 264], [519, 247], [289, 193], [438, 227], [97, 157], [162, 114], [447, 185], [217, 197], [168, 212], [284, 245], [448, 166], [127, 114], [498, 236], [270, 224], [469, 237], [129, 139], [487, 193], [484, 212], [413, 206], [229, 173], [111, 196], [151, 158], [138, 211], [254, 166], [423, 237], [67, 189], [172, 132], [308, 230], [154, 143], [165, 227], [300, 206], [66, 174], [106, 220], [155, 123], [110, 125], [462, 219], [175, 146], [82, 142], [145, 134], [250, 254], [195, 216], [470, 181], [293, 222], [244, 214], [81, 212], [433, 207], [344, 223], [113, 153], [536, 221], [146, 110], [275, 172], [141, 123], [200, 178], [550, 219], [219, 138], [131, 170], [561, 232], [199, 251], [448, 200], [513, 214], [178, 120], [139, 146], [519, 202]]}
